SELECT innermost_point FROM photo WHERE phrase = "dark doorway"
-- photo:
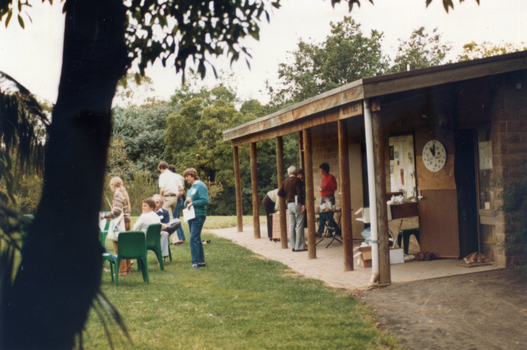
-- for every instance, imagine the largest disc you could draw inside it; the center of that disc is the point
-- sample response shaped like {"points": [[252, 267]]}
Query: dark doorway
{"points": [[465, 175]]}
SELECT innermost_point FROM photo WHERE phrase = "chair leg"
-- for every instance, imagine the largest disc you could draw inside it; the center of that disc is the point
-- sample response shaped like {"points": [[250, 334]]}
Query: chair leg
{"points": [[160, 258], [117, 262], [111, 269], [145, 271], [170, 252]]}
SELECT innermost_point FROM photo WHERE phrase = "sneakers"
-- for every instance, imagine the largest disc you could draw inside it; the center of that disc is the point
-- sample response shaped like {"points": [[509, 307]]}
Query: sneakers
{"points": [[195, 266]]}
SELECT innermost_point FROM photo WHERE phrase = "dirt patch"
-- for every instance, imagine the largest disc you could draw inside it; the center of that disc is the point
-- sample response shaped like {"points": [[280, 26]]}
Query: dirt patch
{"points": [[486, 310]]}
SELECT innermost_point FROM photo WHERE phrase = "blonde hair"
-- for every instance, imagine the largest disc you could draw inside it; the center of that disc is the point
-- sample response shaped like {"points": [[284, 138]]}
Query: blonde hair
{"points": [[118, 183]]}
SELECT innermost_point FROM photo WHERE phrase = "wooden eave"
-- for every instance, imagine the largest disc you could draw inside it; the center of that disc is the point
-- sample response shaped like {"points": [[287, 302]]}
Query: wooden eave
{"points": [[326, 107]]}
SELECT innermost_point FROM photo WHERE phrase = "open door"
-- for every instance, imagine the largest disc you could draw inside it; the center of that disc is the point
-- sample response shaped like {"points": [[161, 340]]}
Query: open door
{"points": [[467, 205]]}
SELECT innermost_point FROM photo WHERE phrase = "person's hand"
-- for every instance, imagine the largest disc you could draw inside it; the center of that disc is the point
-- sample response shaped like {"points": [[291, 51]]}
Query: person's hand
{"points": [[163, 227], [189, 200], [303, 208]]}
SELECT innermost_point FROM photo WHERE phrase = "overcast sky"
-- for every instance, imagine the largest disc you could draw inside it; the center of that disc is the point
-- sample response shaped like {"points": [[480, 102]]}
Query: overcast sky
{"points": [[33, 56]]}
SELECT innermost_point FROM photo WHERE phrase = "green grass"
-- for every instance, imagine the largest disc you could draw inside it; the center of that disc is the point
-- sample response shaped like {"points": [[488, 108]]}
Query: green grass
{"points": [[239, 301]]}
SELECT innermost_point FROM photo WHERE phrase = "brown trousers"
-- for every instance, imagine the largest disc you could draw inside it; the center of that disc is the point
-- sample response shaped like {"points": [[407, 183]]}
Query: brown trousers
{"points": [[125, 267]]}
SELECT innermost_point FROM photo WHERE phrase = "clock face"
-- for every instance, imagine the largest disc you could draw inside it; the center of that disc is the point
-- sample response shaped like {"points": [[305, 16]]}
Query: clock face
{"points": [[434, 155]]}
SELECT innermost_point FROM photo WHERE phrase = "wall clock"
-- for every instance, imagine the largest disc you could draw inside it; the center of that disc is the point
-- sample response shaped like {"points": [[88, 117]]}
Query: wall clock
{"points": [[434, 156]]}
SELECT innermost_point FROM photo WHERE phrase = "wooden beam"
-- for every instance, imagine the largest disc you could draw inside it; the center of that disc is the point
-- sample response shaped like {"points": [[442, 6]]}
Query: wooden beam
{"points": [[281, 201], [310, 195], [295, 126], [379, 144], [333, 99], [238, 187], [254, 186], [345, 198]]}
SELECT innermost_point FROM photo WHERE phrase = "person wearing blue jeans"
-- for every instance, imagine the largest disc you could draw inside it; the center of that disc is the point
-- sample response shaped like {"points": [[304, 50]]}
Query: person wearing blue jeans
{"points": [[197, 197], [176, 214]]}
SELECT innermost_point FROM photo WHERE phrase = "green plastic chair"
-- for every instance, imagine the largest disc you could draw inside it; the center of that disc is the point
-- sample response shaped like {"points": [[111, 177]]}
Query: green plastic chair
{"points": [[153, 242], [106, 255], [131, 245], [104, 232]]}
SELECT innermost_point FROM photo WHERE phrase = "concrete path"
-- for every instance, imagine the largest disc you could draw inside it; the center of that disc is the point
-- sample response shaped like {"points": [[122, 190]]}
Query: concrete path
{"points": [[329, 264]]}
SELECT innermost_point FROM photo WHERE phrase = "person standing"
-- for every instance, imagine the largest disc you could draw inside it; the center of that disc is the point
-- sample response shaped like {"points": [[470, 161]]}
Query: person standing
{"points": [[197, 197], [327, 189], [169, 187], [270, 204], [291, 190], [180, 238], [120, 208]]}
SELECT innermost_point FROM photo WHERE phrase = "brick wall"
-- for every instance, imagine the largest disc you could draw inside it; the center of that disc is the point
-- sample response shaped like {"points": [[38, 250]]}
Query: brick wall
{"points": [[509, 147]]}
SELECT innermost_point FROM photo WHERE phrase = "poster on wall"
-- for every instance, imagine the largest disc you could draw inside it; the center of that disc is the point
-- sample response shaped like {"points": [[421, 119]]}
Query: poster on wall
{"points": [[485, 155], [402, 165]]}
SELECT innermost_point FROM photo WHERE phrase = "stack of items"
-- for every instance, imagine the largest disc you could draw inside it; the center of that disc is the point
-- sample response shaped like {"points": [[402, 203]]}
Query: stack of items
{"points": [[363, 255]]}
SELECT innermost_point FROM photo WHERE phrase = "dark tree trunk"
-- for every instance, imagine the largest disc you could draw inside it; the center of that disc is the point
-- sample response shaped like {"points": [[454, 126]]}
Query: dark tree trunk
{"points": [[61, 267]]}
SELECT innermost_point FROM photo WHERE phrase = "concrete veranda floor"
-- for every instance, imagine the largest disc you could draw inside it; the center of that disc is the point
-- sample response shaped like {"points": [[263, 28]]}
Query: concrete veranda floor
{"points": [[329, 264]]}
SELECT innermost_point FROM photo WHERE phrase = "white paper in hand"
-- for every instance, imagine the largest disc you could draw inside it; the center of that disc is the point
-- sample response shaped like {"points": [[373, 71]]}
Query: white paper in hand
{"points": [[188, 213]]}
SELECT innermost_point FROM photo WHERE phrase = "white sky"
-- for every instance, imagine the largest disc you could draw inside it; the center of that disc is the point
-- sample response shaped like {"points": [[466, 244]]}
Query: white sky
{"points": [[33, 55]]}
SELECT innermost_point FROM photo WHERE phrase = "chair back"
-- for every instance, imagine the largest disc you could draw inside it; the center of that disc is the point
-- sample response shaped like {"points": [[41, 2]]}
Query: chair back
{"points": [[131, 244], [153, 235]]}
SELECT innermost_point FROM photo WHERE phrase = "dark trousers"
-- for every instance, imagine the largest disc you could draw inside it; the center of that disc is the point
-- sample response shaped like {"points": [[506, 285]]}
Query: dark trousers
{"points": [[268, 206]]}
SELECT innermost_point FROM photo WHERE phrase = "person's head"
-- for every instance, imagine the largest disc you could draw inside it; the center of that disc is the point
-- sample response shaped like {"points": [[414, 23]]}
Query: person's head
{"points": [[172, 168], [116, 184], [324, 168], [291, 170], [148, 205], [190, 175], [300, 174], [158, 200], [162, 166]]}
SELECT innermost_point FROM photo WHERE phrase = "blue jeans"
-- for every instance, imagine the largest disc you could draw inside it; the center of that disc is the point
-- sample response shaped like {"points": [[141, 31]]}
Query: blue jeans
{"points": [[196, 247], [327, 218], [176, 214]]}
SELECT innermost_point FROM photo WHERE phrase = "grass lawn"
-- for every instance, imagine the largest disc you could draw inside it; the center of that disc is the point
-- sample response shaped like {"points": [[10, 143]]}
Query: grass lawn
{"points": [[239, 301]]}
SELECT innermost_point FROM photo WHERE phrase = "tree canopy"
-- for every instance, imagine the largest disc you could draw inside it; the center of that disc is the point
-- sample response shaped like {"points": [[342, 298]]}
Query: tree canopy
{"points": [[345, 56], [421, 51]]}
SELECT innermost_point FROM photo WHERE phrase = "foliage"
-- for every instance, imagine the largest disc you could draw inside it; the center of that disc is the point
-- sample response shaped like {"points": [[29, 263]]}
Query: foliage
{"points": [[194, 139], [473, 50], [515, 208], [345, 56], [447, 4], [22, 133], [133, 88], [140, 131], [421, 51], [28, 190], [201, 29]]}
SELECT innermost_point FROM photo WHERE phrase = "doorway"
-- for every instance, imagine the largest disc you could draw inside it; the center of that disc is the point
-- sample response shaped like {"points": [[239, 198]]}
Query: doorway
{"points": [[467, 205]]}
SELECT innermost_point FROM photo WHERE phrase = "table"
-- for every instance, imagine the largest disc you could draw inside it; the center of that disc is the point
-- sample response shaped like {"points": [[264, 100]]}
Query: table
{"points": [[317, 215]]}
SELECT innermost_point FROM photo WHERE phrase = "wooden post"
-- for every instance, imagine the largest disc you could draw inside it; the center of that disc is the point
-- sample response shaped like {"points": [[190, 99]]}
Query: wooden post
{"points": [[254, 186], [238, 187], [310, 195], [281, 201], [379, 144], [345, 198]]}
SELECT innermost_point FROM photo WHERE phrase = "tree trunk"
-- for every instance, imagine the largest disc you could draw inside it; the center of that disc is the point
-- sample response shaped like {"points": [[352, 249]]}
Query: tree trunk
{"points": [[61, 266]]}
